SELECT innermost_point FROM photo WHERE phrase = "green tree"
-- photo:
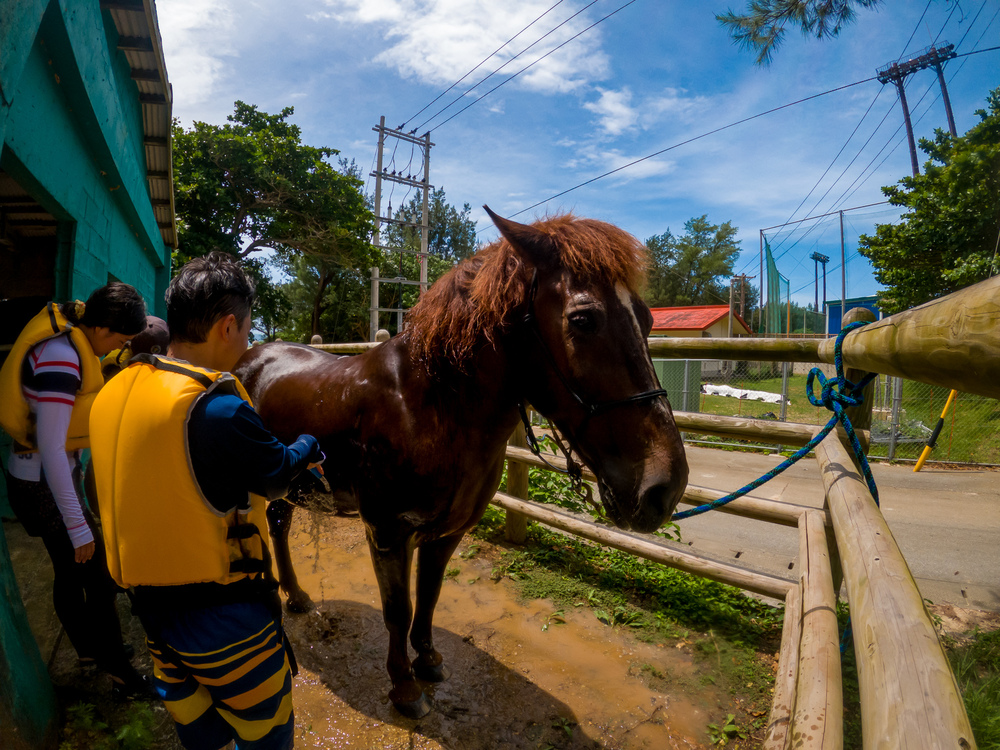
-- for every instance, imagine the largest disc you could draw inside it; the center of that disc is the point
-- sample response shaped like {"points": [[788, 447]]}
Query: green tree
{"points": [[451, 235], [686, 270], [762, 28], [451, 238], [329, 300], [251, 185], [947, 239]]}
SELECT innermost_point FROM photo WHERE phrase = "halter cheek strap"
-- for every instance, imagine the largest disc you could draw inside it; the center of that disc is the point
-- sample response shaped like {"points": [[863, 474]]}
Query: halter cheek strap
{"points": [[590, 409]]}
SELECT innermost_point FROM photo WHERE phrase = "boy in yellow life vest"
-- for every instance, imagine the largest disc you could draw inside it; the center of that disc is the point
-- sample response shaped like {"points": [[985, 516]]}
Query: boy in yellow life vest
{"points": [[184, 467], [48, 384]]}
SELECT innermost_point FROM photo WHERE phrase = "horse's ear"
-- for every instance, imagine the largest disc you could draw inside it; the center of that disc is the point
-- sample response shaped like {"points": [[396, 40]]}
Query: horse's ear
{"points": [[534, 246]]}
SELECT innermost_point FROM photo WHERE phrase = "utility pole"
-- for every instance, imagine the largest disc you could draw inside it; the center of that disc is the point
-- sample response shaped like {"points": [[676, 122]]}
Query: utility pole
{"points": [[896, 72], [742, 279], [418, 181], [843, 274]]}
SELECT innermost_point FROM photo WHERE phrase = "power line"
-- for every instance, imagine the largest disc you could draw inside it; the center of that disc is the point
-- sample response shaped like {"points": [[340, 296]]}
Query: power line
{"points": [[530, 65], [508, 62], [483, 61], [691, 140], [913, 33]]}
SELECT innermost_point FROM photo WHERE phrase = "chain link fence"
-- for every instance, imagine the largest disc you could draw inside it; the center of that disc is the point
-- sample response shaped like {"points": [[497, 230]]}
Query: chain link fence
{"points": [[904, 412]]}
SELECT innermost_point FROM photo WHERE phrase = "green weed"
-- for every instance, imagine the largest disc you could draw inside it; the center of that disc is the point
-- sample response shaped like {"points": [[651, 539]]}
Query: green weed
{"points": [[85, 730], [977, 669]]}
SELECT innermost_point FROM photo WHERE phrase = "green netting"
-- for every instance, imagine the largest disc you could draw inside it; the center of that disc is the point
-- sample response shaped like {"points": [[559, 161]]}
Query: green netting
{"points": [[778, 297]]}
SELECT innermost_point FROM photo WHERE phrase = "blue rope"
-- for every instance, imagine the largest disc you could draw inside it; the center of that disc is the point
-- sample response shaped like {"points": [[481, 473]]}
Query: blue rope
{"points": [[835, 394]]}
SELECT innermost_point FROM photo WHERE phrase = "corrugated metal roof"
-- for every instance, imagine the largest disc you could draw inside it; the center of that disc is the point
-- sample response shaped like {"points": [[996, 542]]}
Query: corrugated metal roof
{"points": [[139, 38], [693, 318]]}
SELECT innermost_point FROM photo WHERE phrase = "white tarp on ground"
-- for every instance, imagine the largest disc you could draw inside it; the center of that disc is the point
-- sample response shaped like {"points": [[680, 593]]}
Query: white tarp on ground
{"points": [[724, 390]]}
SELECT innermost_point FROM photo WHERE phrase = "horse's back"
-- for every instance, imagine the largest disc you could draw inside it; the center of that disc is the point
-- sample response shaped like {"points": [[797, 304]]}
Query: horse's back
{"points": [[267, 364]]}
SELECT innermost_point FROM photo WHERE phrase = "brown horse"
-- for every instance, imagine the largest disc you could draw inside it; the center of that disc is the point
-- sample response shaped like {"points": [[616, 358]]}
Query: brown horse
{"points": [[415, 429]]}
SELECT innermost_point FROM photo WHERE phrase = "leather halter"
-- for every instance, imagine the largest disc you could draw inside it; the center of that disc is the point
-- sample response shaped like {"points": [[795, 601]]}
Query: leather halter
{"points": [[590, 408]]}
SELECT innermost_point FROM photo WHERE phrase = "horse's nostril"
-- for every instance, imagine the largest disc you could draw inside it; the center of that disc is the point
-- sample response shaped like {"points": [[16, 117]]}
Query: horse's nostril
{"points": [[655, 506]]}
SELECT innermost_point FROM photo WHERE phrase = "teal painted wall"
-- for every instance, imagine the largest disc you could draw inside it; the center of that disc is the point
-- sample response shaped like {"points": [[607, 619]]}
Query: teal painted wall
{"points": [[72, 135]]}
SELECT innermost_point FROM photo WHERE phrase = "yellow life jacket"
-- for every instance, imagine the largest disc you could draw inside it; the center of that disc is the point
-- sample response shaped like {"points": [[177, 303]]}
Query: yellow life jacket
{"points": [[15, 416], [159, 529]]}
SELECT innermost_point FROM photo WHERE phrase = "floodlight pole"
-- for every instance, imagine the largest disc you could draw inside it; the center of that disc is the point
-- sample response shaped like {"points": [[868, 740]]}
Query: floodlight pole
{"points": [[896, 72], [820, 260]]}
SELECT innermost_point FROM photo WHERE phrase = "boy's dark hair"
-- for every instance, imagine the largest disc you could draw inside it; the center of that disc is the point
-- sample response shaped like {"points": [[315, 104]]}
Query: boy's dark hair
{"points": [[116, 306], [203, 291]]}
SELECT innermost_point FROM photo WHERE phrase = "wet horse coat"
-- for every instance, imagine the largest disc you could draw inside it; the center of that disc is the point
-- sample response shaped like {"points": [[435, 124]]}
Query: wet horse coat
{"points": [[415, 429]]}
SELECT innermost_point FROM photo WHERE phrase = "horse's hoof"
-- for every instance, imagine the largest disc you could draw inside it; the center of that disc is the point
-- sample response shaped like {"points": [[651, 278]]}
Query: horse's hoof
{"points": [[300, 604], [413, 709], [431, 673]]}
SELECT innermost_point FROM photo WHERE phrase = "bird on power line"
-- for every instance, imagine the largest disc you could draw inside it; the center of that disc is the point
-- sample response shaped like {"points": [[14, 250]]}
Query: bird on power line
{"points": [[400, 127], [413, 131]]}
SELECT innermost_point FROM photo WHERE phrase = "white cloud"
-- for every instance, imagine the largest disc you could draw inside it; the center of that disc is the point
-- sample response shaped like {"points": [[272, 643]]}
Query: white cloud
{"points": [[197, 37], [619, 113], [615, 111], [439, 41]]}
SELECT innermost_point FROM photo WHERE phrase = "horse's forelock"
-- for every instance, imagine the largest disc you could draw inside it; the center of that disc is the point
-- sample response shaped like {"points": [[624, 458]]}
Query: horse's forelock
{"points": [[472, 302]]}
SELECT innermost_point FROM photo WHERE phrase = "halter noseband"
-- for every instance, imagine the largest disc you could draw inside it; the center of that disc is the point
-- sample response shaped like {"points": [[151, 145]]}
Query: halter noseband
{"points": [[590, 409]]}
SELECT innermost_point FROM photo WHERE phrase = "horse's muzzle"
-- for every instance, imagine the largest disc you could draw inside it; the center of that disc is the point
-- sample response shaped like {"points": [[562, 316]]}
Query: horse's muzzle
{"points": [[656, 504]]}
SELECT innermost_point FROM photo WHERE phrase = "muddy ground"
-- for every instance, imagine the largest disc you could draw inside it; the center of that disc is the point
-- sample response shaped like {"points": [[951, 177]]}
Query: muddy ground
{"points": [[522, 676]]}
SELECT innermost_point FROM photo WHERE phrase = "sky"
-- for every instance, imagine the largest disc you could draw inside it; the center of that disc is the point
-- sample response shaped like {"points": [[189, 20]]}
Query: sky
{"points": [[600, 85]]}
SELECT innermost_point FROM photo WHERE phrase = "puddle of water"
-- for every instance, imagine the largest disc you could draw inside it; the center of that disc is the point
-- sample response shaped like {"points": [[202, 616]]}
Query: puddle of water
{"points": [[512, 684]]}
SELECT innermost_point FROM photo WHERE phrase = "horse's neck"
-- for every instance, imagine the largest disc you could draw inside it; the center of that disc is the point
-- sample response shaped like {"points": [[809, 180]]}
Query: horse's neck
{"points": [[480, 393]]}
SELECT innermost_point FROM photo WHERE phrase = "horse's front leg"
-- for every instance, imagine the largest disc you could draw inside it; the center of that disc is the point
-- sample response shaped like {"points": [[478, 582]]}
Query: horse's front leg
{"points": [[392, 570], [279, 521], [432, 559]]}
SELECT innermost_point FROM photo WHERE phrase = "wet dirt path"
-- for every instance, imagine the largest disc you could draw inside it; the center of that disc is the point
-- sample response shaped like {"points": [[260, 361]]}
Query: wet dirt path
{"points": [[513, 684]]}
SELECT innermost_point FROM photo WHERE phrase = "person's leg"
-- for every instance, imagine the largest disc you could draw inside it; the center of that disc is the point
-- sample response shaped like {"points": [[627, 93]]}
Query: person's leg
{"points": [[84, 598], [236, 655]]}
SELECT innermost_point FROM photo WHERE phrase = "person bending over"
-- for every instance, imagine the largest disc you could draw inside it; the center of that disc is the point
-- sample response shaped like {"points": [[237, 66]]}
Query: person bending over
{"points": [[48, 385], [184, 467]]}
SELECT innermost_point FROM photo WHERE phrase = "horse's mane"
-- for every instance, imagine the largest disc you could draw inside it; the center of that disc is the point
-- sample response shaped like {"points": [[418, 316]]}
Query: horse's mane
{"points": [[471, 303]]}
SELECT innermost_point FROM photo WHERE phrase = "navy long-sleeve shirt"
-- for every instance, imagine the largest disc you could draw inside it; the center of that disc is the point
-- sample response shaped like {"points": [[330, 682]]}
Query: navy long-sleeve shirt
{"points": [[233, 453]]}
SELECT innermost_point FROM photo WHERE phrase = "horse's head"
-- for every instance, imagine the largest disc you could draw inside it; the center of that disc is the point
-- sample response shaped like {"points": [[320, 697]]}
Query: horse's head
{"points": [[581, 334]]}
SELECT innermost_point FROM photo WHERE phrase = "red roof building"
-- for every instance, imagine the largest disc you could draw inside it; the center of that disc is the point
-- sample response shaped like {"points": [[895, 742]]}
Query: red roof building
{"points": [[697, 321]]}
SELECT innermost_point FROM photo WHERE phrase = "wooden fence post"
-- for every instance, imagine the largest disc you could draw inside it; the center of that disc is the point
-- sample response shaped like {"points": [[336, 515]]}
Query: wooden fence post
{"points": [[818, 718], [860, 416], [517, 485], [909, 696]]}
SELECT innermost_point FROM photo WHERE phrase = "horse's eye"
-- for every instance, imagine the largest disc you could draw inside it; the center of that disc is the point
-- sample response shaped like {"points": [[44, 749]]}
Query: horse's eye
{"points": [[583, 320]]}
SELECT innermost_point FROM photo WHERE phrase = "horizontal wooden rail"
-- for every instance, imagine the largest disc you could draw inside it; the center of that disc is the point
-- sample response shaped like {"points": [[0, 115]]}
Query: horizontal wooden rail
{"points": [[723, 573], [909, 697], [952, 342], [757, 350], [357, 347], [748, 506], [744, 428]]}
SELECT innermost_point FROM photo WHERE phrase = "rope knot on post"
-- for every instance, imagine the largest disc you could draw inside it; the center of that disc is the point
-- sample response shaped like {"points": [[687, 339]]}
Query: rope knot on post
{"points": [[835, 394]]}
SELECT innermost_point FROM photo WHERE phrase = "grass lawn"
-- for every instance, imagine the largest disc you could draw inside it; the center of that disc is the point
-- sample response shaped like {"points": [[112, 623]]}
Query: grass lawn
{"points": [[971, 432]]}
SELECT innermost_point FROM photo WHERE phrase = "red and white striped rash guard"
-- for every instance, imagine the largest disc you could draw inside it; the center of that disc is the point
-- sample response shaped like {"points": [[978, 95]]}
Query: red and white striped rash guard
{"points": [[50, 379]]}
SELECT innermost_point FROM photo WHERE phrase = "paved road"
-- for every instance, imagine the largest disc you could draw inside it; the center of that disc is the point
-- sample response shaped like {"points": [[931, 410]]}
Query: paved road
{"points": [[946, 522]]}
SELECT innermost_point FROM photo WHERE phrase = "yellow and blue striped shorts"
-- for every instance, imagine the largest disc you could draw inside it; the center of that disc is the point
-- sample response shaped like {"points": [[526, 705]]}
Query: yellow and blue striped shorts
{"points": [[223, 674]]}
